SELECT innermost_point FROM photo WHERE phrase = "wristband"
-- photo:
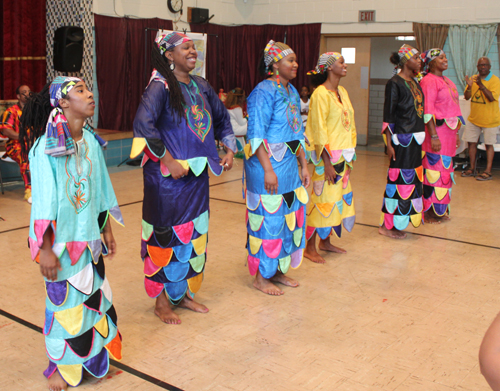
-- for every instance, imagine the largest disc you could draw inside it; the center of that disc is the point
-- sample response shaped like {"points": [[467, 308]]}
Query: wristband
{"points": [[435, 137]]}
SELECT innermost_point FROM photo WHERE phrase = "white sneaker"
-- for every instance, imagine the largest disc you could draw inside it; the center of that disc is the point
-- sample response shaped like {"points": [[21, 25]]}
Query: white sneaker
{"points": [[29, 200]]}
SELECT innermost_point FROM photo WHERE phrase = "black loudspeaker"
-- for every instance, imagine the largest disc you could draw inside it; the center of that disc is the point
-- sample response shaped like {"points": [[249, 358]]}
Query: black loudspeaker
{"points": [[198, 15], [68, 49]]}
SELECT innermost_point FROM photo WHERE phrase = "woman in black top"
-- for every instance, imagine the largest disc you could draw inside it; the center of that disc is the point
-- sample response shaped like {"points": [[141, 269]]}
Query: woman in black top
{"points": [[404, 131]]}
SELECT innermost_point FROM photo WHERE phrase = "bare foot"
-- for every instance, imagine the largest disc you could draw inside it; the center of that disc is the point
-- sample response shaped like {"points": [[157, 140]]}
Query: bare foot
{"points": [[282, 279], [310, 251], [325, 245], [266, 286], [431, 218], [57, 383], [391, 233], [314, 256], [164, 311], [445, 218], [192, 305]]}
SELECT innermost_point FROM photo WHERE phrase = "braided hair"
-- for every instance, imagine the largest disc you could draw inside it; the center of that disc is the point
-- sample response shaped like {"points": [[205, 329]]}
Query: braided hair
{"points": [[160, 63], [34, 119]]}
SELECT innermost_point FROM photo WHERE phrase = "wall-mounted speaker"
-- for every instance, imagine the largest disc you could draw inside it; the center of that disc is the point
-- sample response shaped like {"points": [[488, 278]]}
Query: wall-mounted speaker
{"points": [[68, 49], [198, 15]]}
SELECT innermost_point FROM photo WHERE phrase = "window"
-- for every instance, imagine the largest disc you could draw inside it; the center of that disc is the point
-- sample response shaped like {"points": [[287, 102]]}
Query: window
{"points": [[349, 55]]}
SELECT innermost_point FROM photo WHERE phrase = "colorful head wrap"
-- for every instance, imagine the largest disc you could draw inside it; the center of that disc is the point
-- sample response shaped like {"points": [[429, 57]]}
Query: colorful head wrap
{"points": [[58, 136], [58, 140], [275, 51], [166, 41], [430, 55], [324, 61], [60, 88], [405, 53]]}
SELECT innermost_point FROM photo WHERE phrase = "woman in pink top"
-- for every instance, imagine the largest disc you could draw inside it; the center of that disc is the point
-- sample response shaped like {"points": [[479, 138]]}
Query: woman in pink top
{"points": [[443, 119]]}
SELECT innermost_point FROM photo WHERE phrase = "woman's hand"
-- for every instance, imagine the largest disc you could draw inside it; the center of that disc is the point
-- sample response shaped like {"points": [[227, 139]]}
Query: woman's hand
{"points": [[458, 141], [176, 169], [270, 182], [227, 160], [330, 174], [109, 240], [49, 264], [391, 152], [306, 177], [436, 144]]}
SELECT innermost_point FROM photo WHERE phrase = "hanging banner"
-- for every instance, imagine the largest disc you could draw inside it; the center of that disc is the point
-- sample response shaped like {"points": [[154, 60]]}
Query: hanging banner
{"points": [[200, 43]]}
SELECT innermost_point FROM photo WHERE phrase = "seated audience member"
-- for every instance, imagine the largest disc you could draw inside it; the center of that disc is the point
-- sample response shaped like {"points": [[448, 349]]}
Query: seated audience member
{"points": [[9, 127], [236, 106]]}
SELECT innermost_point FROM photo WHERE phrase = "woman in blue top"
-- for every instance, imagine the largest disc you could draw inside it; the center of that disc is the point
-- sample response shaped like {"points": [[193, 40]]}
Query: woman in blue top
{"points": [[73, 200], [176, 125], [275, 193]]}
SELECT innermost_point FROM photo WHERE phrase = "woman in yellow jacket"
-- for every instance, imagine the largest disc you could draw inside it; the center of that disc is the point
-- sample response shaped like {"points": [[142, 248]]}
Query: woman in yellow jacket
{"points": [[331, 133]]}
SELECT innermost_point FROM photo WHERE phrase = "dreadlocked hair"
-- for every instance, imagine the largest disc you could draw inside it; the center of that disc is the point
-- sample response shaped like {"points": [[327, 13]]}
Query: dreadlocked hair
{"points": [[34, 119], [160, 63]]}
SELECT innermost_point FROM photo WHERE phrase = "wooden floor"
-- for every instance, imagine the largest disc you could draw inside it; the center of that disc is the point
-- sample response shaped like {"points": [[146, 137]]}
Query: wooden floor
{"points": [[388, 315]]}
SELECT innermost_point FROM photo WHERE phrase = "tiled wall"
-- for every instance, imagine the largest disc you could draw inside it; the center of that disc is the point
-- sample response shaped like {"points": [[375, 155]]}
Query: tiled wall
{"points": [[71, 13], [376, 108], [117, 151]]}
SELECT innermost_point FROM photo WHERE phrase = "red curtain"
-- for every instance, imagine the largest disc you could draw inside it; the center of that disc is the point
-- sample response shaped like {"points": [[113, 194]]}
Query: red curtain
{"points": [[232, 59], [233, 52], [22, 46], [121, 75]]}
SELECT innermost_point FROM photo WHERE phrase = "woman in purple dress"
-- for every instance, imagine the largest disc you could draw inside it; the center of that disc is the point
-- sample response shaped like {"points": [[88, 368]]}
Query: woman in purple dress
{"points": [[176, 125]]}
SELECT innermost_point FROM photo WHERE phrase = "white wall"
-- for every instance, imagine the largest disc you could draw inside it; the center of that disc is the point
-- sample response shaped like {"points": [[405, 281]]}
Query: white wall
{"points": [[337, 16]]}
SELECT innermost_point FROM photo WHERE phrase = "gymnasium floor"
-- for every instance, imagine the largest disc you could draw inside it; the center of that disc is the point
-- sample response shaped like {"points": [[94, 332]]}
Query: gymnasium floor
{"points": [[388, 315]]}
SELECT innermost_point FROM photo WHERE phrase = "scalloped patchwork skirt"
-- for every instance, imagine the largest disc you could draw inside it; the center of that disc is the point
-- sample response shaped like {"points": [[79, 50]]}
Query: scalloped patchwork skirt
{"points": [[80, 321], [403, 202], [275, 223], [276, 231], [331, 205], [438, 171], [174, 232]]}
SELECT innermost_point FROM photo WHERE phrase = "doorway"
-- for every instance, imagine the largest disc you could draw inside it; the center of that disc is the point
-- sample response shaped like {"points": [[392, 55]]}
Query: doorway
{"points": [[357, 81]]}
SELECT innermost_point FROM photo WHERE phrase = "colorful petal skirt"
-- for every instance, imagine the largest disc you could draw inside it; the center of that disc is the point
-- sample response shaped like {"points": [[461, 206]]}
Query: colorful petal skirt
{"points": [[80, 321], [403, 193], [331, 205], [174, 231]]}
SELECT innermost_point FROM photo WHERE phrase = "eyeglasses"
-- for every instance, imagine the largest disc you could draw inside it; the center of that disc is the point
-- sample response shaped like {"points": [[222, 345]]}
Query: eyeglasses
{"points": [[483, 65]]}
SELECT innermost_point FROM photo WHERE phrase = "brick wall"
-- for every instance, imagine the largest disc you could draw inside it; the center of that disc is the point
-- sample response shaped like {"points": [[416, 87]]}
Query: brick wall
{"points": [[376, 107]]}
